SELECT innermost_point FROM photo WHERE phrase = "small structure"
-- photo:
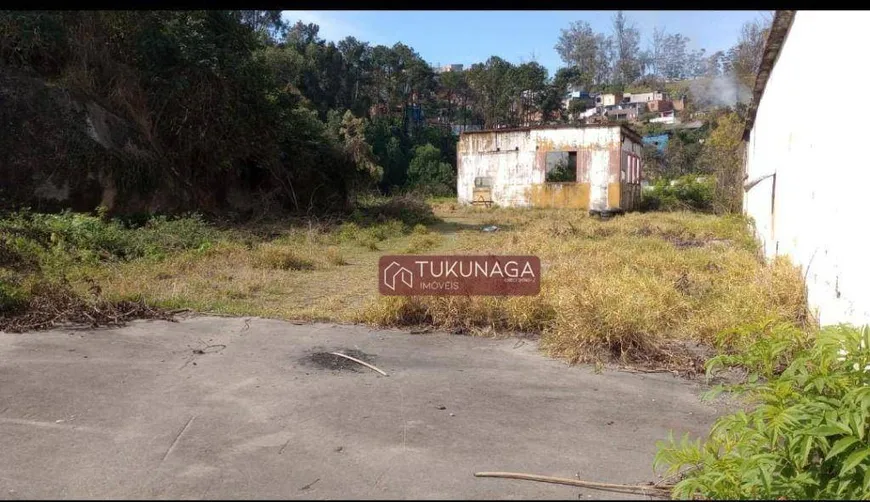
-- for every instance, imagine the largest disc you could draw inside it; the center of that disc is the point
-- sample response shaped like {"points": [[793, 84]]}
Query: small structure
{"points": [[449, 68], [660, 105], [608, 99], [644, 97], [590, 167], [665, 118], [622, 113], [660, 141]]}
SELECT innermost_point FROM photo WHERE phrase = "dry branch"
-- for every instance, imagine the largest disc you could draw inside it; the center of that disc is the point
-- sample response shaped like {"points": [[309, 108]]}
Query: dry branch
{"points": [[652, 490], [367, 365]]}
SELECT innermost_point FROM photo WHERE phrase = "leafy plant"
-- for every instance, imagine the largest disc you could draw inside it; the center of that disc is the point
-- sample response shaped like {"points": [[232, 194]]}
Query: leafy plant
{"points": [[687, 192], [805, 436]]}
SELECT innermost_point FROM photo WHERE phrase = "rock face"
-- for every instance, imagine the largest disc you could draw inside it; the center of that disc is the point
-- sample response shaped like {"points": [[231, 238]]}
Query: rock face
{"points": [[62, 150]]}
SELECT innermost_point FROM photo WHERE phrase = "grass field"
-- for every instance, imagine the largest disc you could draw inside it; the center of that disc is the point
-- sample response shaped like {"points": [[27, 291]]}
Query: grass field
{"points": [[640, 288]]}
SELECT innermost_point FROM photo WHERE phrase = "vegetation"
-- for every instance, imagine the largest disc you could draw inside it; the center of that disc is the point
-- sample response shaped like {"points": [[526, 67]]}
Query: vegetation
{"points": [[303, 113], [806, 436], [648, 283], [690, 192]]}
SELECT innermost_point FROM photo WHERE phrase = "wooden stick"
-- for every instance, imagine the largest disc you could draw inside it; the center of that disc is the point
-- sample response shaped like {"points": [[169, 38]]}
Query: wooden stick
{"points": [[367, 365], [663, 491]]}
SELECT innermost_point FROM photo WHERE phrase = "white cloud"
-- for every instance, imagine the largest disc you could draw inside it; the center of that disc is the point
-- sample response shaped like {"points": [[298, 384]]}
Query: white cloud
{"points": [[334, 25]]}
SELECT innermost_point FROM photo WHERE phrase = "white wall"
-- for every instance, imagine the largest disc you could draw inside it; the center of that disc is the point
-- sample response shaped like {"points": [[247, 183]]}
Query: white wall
{"points": [[819, 213]]}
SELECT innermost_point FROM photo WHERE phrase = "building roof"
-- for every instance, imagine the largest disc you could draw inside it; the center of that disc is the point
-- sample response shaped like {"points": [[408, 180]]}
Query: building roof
{"points": [[629, 131], [779, 29]]}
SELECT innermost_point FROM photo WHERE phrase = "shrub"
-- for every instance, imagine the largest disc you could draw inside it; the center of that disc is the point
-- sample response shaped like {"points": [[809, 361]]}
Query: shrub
{"points": [[82, 237], [428, 173], [12, 298], [806, 436], [281, 258], [334, 256], [408, 208], [421, 242], [687, 192]]}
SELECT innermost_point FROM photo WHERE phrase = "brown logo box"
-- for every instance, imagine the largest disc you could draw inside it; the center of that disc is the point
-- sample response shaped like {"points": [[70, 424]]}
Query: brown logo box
{"points": [[459, 275]]}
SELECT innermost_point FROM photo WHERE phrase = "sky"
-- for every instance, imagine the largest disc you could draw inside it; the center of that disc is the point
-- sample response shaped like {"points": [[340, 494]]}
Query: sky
{"points": [[468, 37]]}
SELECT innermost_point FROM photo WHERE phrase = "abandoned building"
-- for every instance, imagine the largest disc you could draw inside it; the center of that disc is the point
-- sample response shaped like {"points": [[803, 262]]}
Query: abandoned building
{"points": [[805, 184], [590, 167]]}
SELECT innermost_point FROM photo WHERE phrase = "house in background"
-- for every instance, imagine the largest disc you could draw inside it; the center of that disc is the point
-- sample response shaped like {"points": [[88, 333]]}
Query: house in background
{"points": [[664, 118], [643, 97], [659, 105], [589, 167], [608, 99], [806, 180], [576, 94], [449, 68], [622, 113]]}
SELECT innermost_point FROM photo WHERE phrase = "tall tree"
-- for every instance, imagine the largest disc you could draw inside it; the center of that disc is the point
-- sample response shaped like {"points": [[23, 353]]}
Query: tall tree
{"points": [[578, 46], [626, 39], [745, 57], [268, 22]]}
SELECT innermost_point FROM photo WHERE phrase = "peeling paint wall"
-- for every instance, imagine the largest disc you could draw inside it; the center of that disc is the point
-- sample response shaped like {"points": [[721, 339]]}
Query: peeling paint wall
{"points": [[813, 209], [516, 163]]}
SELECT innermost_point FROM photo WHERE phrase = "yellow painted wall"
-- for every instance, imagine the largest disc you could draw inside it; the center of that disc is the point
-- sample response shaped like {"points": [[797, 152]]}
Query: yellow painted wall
{"points": [[560, 195]]}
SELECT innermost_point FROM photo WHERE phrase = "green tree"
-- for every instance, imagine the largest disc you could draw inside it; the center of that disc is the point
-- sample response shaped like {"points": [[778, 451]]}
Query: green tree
{"points": [[579, 47], [428, 172], [722, 155]]}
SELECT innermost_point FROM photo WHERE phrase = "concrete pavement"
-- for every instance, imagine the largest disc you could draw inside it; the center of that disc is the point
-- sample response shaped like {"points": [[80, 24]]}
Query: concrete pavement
{"points": [[214, 407]]}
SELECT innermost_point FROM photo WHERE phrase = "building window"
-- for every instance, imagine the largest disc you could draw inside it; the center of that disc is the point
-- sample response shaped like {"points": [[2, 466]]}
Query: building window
{"points": [[483, 182], [561, 167]]}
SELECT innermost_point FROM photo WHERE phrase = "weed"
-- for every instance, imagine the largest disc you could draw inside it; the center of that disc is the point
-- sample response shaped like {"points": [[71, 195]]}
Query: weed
{"points": [[805, 436], [421, 242], [618, 289], [279, 257], [334, 256]]}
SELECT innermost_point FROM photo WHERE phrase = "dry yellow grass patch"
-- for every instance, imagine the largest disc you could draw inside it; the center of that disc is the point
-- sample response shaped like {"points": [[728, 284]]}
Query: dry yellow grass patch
{"points": [[628, 288], [631, 288]]}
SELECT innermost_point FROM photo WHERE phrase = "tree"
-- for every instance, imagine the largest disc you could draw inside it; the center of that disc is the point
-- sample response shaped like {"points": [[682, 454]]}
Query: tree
{"points": [[744, 58], [626, 38], [579, 47], [267, 22], [674, 57], [351, 134], [428, 171], [722, 155], [657, 51]]}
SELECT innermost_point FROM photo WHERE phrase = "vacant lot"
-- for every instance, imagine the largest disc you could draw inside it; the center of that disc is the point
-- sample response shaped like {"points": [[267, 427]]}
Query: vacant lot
{"points": [[645, 289]]}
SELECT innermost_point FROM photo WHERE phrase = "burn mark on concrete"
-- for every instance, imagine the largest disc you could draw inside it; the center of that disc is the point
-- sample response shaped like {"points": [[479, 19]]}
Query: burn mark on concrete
{"points": [[323, 359]]}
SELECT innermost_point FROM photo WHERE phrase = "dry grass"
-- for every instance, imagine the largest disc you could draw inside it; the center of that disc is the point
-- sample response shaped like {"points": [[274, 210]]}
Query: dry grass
{"points": [[280, 257], [634, 289]]}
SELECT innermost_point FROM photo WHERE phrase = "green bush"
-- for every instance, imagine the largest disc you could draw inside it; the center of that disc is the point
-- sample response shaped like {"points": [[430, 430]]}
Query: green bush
{"points": [[687, 192], [428, 173], [12, 298], [806, 434], [85, 238]]}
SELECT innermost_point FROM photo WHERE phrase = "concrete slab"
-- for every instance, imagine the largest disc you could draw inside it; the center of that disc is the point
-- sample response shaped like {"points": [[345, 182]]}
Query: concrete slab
{"points": [[214, 407]]}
